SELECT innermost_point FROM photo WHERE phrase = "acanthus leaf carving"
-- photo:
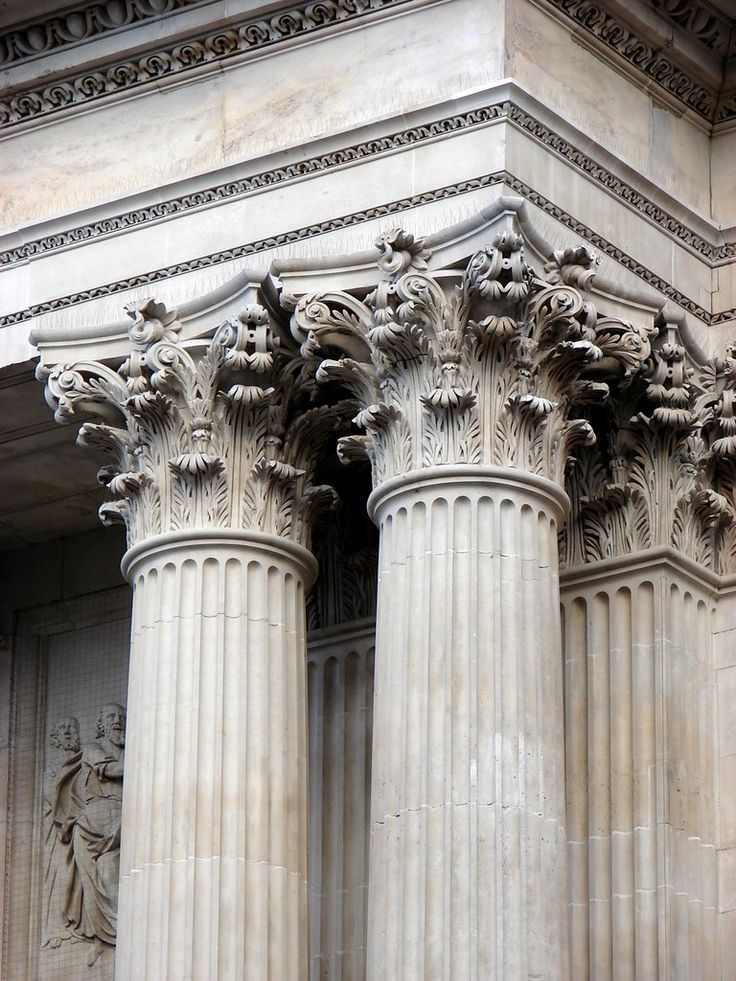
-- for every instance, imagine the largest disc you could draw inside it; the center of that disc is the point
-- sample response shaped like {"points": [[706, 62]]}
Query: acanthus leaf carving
{"points": [[214, 434], [665, 475], [487, 366]]}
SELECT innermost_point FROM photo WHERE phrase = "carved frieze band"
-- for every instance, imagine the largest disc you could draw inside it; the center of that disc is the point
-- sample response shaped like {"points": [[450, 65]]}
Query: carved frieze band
{"points": [[253, 248], [621, 40], [97, 18], [268, 178], [81, 23], [372, 148], [370, 214], [214, 48], [702, 22]]}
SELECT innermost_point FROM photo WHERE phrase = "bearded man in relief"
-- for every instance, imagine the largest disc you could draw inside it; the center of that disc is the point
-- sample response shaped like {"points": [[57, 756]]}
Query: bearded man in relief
{"points": [[92, 908]]}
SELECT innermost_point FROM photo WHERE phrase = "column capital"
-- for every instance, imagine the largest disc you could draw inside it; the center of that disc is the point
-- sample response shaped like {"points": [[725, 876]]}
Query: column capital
{"points": [[204, 434], [664, 470], [485, 366]]}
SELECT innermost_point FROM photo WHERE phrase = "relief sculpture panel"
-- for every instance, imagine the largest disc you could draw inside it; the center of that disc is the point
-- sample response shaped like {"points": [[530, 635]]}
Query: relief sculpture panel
{"points": [[82, 801]]}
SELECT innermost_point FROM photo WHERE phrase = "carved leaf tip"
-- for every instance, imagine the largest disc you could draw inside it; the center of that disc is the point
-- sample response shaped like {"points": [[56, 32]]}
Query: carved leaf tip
{"points": [[152, 322], [573, 266], [400, 252]]}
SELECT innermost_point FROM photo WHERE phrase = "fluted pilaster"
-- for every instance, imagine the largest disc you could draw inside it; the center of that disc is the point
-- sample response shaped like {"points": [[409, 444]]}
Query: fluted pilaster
{"points": [[467, 848], [640, 704], [214, 836]]}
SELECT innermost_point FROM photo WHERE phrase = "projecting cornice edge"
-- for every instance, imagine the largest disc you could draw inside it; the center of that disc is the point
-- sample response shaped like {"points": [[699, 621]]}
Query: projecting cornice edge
{"points": [[451, 248]]}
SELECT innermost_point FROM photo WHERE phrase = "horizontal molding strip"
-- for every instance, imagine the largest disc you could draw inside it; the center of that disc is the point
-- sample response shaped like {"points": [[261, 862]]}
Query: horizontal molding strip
{"points": [[252, 248], [92, 20], [214, 48], [84, 22], [620, 39], [712, 29], [366, 149], [359, 217], [334, 159]]}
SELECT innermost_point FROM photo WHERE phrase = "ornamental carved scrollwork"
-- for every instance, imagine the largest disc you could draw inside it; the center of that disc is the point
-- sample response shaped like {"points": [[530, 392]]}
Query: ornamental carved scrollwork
{"points": [[219, 435], [664, 473], [487, 366]]}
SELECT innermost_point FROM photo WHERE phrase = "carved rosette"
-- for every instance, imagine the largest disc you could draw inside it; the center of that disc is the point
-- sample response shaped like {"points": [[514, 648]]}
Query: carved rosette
{"points": [[214, 435], [489, 366], [666, 472]]}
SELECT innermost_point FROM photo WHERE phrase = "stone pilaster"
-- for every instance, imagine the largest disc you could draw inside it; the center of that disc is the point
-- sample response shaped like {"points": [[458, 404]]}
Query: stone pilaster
{"points": [[213, 447], [469, 384]]}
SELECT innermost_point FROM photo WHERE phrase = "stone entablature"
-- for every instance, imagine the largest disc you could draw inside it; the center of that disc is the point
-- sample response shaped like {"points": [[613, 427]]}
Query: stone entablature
{"points": [[639, 36]]}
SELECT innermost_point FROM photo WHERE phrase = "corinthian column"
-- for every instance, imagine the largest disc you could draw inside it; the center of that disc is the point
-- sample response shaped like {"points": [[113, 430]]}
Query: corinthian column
{"points": [[468, 384], [212, 475]]}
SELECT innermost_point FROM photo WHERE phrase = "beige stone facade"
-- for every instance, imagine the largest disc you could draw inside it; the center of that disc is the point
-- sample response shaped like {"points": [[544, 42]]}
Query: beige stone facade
{"points": [[393, 343]]}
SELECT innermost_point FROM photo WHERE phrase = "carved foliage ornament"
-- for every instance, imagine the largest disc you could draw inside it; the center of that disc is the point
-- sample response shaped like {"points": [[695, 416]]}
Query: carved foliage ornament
{"points": [[220, 438], [666, 473], [488, 366]]}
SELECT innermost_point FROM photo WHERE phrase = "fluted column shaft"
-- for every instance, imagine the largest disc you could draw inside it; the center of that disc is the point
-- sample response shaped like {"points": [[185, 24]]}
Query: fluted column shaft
{"points": [[640, 709], [214, 832], [467, 869]]}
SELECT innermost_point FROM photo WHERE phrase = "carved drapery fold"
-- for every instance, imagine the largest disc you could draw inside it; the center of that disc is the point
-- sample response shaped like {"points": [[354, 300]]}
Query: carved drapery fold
{"points": [[663, 474], [486, 367], [216, 436]]}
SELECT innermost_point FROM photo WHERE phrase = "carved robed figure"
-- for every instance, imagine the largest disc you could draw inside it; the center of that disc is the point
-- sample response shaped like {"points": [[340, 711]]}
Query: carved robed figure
{"points": [[83, 802]]}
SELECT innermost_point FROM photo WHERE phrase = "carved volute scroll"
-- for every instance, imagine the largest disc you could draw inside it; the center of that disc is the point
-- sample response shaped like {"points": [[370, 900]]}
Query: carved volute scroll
{"points": [[664, 470], [488, 366], [219, 434]]}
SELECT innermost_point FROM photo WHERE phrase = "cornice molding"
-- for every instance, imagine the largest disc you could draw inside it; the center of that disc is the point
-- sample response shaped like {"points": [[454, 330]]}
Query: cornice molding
{"points": [[716, 32], [646, 275], [619, 187], [34, 102], [84, 22], [622, 41], [213, 48], [253, 248], [375, 147]]}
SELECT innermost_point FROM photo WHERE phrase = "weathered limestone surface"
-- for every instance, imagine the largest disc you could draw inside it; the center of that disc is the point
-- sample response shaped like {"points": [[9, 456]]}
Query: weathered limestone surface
{"points": [[467, 851], [340, 680], [213, 458], [468, 384], [641, 770], [213, 868]]}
